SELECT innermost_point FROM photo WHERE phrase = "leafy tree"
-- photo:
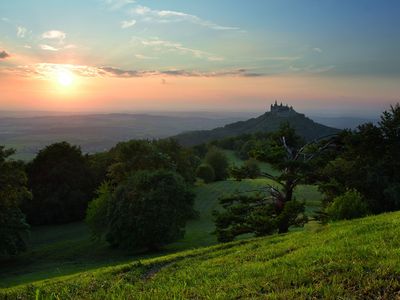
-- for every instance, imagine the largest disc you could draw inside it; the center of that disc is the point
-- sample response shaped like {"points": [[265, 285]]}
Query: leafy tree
{"points": [[348, 206], [97, 212], [276, 208], [250, 169], [205, 172], [13, 190], [217, 159], [132, 156], [255, 214], [368, 161], [61, 184], [149, 210]]}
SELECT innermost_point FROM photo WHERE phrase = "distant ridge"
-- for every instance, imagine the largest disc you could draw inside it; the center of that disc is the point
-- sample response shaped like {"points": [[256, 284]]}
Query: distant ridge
{"points": [[268, 122]]}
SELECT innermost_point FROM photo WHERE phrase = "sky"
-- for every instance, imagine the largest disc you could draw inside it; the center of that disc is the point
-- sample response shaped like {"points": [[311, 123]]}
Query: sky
{"points": [[321, 56]]}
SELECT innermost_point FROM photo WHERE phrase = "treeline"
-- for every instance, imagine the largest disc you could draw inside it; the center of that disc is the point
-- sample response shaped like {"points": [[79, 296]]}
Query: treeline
{"points": [[141, 190]]}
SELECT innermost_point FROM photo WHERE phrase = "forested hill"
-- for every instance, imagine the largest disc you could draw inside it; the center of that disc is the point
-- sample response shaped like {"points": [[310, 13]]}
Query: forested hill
{"points": [[268, 122]]}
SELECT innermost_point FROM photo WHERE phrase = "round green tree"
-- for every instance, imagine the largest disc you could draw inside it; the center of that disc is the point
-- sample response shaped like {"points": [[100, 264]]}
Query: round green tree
{"points": [[149, 210], [217, 159], [61, 184], [205, 172]]}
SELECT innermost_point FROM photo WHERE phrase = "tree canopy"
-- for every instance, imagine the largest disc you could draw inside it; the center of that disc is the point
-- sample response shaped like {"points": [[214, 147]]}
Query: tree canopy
{"points": [[13, 190], [149, 209], [61, 184]]}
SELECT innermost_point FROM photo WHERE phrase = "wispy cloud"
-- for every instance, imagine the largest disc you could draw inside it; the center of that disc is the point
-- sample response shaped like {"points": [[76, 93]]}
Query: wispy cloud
{"points": [[318, 50], [4, 55], [169, 46], [48, 47], [54, 35], [145, 57], [312, 69], [46, 70], [170, 16], [127, 24], [117, 4], [21, 31]]}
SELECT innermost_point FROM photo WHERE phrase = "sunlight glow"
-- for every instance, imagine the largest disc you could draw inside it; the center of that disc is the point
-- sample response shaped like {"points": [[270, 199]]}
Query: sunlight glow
{"points": [[65, 78]]}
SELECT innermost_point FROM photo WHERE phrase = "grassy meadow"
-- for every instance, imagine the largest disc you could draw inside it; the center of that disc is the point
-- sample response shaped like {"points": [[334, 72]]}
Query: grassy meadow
{"points": [[355, 259], [69, 249]]}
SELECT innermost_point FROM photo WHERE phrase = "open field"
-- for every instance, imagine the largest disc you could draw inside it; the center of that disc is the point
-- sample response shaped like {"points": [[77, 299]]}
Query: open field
{"points": [[349, 260], [68, 249]]}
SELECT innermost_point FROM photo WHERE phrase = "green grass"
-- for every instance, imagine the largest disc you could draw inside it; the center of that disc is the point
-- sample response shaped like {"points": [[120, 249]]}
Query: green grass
{"points": [[345, 260], [68, 249]]}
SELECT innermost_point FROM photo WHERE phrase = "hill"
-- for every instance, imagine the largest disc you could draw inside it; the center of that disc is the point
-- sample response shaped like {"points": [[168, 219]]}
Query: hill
{"points": [[268, 122], [345, 260], [95, 132]]}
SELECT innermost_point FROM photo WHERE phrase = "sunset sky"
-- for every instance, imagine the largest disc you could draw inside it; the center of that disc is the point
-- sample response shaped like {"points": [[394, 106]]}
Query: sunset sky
{"points": [[234, 55]]}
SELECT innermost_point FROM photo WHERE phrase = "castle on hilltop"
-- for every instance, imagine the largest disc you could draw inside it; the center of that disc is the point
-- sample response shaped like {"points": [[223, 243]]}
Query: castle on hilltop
{"points": [[275, 108]]}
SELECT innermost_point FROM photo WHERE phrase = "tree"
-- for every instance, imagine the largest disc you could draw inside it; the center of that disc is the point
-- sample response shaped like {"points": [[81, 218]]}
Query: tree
{"points": [[97, 212], [275, 209], [250, 169], [13, 190], [368, 162], [217, 159], [132, 156], [61, 184], [206, 173], [149, 210]]}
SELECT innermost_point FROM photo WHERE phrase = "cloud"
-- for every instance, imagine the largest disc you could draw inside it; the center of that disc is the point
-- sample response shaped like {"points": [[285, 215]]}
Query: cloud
{"points": [[127, 24], [21, 31], [54, 35], [117, 4], [48, 48], [311, 69], [318, 50], [4, 19], [70, 46], [170, 46], [4, 55], [116, 72], [170, 16], [47, 70], [141, 56]]}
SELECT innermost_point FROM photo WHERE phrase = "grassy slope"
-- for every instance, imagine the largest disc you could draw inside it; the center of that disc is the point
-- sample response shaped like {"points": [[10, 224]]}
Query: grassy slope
{"points": [[68, 249], [352, 259]]}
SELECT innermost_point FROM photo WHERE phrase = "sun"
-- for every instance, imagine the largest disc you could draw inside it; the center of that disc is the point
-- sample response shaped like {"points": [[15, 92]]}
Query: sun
{"points": [[65, 78]]}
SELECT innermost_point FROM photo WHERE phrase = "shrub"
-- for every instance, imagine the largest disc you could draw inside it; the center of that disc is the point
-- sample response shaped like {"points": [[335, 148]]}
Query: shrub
{"points": [[217, 159], [252, 168], [205, 172], [97, 212], [348, 206]]}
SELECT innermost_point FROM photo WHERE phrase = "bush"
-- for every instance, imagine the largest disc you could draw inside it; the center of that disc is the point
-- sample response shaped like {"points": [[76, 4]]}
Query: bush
{"points": [[149, 209], [252, 168], [97, 212], [205, 172], [348, 206], [219, 162]]}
